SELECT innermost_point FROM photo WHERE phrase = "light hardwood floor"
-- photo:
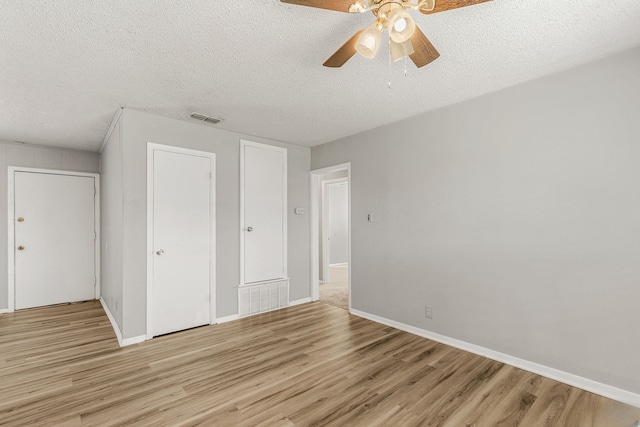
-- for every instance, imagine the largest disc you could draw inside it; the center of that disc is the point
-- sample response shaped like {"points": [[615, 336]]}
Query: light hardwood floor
{"points": [[307, 365]]}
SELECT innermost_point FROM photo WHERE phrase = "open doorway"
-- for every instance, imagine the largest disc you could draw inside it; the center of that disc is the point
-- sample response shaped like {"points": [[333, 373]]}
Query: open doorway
{"points": [[331, 255]]}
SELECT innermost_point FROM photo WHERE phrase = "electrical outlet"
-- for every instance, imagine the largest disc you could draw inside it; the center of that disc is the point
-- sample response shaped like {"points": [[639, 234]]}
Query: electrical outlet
{"points": [[428, 312]]}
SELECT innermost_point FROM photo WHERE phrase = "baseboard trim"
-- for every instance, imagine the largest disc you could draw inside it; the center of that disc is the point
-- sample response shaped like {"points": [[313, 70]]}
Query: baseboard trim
{"points": [[121, 342], [133, 340], [226, 319], [299, 301], [112, 319], [4, 310], [592, 386]]}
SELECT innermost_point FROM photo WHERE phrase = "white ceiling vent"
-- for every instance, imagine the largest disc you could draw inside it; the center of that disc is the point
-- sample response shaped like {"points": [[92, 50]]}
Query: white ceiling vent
{"points": [[204, 118]]}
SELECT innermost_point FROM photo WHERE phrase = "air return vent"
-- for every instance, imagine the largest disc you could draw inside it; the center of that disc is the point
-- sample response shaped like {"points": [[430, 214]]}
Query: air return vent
{"points": [[204, 118], [254, 299]]}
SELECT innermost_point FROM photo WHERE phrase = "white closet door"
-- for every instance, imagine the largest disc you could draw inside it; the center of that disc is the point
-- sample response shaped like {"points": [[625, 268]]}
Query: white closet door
{"points": [[264, 195], [54, 239], [182, 253]]}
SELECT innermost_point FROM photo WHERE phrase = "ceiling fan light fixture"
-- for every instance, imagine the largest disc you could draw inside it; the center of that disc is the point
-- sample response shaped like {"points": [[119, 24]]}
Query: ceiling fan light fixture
{"points": [[401, 25], [393, 16], [400, 50], [369, 42]]}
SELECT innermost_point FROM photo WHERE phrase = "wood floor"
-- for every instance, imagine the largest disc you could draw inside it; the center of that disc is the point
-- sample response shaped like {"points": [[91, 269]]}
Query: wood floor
{"points": [[307, 365]]}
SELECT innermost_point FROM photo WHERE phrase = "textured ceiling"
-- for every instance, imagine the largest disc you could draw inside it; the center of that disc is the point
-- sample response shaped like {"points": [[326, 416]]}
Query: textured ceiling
{"points": [[67, 65]]}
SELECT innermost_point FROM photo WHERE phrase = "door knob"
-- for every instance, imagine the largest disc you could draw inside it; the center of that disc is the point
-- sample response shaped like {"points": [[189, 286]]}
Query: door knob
{"points": [[21, 248], [20, 219], [249, 229], [160, 252]]}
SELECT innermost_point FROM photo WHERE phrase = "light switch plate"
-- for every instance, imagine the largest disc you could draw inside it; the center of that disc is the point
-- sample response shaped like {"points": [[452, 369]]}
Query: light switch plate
{"points": [[428, 312]]}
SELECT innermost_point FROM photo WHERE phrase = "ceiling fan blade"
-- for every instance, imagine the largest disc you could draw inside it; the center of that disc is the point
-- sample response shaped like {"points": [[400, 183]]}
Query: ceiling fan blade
{"points": [[345, 53], [339, 5], [442, 5], [423, 50]]}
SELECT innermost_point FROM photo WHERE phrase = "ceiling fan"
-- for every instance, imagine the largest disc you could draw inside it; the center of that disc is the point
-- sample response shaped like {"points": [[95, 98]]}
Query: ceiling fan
{"points": [[405, 38]]}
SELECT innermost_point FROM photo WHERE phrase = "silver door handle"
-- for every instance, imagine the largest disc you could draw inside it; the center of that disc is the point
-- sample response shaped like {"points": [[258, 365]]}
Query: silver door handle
{"points": [[249, 229], [160, 252]]}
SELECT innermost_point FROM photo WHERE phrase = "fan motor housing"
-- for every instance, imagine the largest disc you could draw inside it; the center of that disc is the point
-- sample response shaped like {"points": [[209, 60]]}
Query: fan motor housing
{"points": [[385, 6]]}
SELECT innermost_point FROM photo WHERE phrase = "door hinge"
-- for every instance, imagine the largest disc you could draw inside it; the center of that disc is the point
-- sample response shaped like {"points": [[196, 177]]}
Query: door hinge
{"points": [[95, 235]]}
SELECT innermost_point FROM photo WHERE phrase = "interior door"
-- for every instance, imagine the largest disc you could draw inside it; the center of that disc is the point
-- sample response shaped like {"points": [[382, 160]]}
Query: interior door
{"points": [[338, 222], [182, 240], [264, 197], [55, 236]]}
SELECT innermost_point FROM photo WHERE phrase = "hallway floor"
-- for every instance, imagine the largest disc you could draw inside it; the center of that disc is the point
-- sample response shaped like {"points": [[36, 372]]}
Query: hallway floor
{"points": [[336, 292]]}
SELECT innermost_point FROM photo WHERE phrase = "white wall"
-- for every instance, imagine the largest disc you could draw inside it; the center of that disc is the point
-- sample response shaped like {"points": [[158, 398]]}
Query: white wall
{"points": [[112, 227], [140, 128], [515, 215], [33, 156]]}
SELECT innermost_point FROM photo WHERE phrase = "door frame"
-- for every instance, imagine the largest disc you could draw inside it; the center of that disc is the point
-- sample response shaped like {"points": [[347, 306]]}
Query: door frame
{"points": [[326, 252], [11, 272], [245, 143], [316, 188], [151, 147]]}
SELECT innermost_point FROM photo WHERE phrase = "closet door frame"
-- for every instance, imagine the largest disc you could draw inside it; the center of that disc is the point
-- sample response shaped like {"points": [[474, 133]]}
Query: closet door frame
{"points": [[243, 144]]}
